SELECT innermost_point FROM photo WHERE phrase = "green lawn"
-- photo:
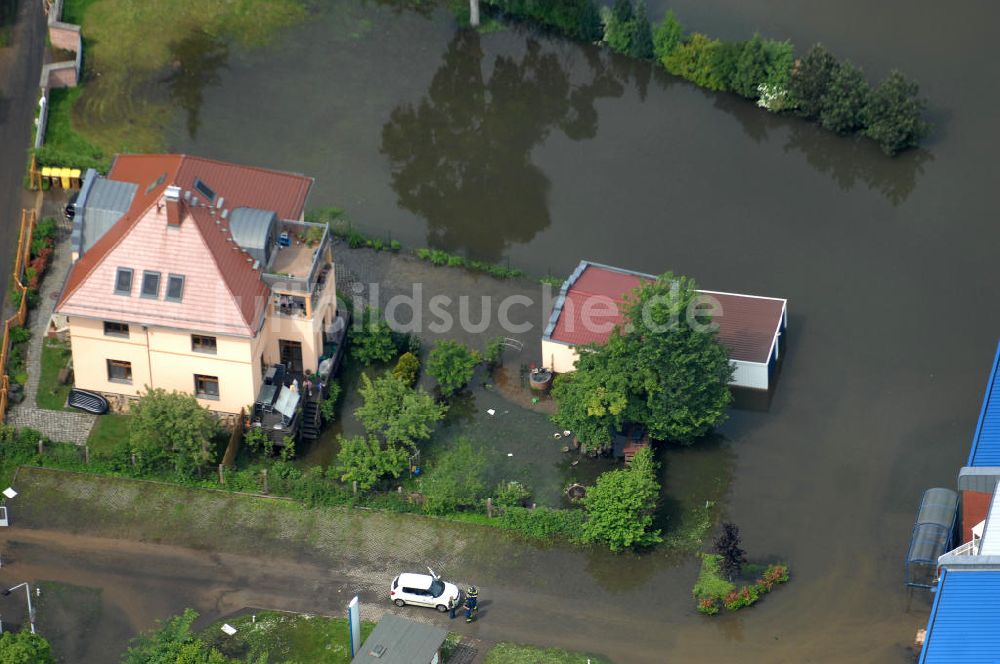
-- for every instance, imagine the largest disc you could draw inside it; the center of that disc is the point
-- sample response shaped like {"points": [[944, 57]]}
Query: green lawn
{"points": [[64, 145], [51, 394], [285, 637], [108, 431], [512, 653], [73, 11]]}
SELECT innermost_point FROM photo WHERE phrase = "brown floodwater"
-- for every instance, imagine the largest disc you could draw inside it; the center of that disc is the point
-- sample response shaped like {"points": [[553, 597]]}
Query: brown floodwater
{"points": [[517, 146]]}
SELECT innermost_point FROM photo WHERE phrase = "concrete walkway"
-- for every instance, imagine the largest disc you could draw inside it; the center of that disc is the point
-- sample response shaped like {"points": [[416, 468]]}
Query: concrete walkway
{"points": [[63, 426]]}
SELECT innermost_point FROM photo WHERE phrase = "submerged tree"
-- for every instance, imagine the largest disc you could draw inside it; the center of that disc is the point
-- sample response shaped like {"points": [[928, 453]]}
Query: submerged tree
{"points": [[397, 412], [622, 504], [811, 79], [893, 116]]}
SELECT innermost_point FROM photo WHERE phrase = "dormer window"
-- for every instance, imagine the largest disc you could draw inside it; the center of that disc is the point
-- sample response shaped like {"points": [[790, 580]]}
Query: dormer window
{"points": [[175, 287], [151, 284], [123, 281]]}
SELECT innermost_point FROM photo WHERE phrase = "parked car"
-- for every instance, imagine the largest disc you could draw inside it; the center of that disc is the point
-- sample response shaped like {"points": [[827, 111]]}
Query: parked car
{"points": [[424, 590]]}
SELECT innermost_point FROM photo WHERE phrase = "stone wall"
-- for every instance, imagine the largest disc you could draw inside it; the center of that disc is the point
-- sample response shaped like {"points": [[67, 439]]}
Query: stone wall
{"points": [[64, 36]]}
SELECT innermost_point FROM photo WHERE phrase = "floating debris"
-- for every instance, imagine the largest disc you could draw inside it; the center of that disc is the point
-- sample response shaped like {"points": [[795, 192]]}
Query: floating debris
{"points": [[557, 435], [510, 454], [491, 412], [565, 448], [567, 432]]}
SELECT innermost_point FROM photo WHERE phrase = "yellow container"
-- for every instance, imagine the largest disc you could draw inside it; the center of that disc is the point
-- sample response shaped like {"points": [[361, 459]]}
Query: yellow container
{"points": [[46, 172], [64, 177]]}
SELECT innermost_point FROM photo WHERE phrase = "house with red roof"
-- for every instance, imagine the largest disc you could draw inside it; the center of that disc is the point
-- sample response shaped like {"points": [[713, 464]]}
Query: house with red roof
{"points": [[195, 275], [591, 304]]}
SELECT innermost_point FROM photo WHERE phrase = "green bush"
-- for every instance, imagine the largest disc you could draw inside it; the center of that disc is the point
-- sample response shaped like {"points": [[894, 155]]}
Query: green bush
{"points": [[698, 60], [407, 368], [371, 338], [737, 599], [494, 351], [892, 116], [543, 523], [452, 365], [328, 406], [510, 494], [455, 481], [575, 18], [711, 584], [845, 100], [620, 506], [667, 36]]}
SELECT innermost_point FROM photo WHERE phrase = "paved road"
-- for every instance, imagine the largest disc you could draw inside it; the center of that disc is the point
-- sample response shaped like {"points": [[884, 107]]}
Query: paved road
{"points": [[20, 69]]}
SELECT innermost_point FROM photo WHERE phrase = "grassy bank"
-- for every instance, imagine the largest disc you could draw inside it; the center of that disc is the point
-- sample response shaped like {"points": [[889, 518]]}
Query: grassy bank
{"points": [[285, 637], [512, 653], [128, 47], [52, 394]]}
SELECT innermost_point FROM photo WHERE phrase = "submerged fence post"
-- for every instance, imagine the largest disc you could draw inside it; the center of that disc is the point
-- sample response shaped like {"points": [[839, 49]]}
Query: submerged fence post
{"points": [[133, 460], [267, 489], [41, 446], [489, 508], [86, 454], [222, 474], [354, 487]]}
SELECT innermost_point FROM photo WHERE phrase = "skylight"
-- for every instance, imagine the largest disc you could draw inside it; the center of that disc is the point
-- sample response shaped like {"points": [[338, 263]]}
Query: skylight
{"points": [[205, 190]]}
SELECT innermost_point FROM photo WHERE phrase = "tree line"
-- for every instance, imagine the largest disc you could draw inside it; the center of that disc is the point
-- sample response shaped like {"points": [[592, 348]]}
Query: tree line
{"points": [[817, 86]]}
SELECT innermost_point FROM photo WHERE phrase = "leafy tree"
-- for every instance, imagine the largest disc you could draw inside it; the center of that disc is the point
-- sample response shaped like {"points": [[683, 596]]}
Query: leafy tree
{"points": [[618, 32], [397, 412], [173, 426], [576, 18], [455, 481], [751, 68], [893, 116], [592, 401], [173, 643], [494, 352], [845, 100], [621, 505], [696, 60], [811, 79], [641, 39], [24, 648], [452, 365], [679, 372], [258, 440], [668, 35], [371, 339], [727, 546], [365, 460], [661, 370], [724, 62], [407, 368]]}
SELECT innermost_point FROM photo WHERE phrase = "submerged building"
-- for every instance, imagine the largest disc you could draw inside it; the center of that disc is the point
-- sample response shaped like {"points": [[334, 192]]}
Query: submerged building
{"points": [[591, 301]]}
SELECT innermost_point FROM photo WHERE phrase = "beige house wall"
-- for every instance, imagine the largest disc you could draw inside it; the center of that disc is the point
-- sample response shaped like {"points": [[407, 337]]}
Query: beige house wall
{"points": [[558, 357], [164, 357]]}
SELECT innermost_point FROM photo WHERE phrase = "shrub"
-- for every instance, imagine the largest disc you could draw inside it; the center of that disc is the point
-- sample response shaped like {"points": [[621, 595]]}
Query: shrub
{"points": [[371, 339], [737, 599], [452, 365], [363, 459], [173, 426], [810, 81], [19, 335], [543, 523], [892, 116], [314, 235], [455, 480], [407, 368], [510, 494], [711, 584], [697, 60], [494, 351], [396, 411], [324, 215], [708, 606], [258, 441], [618, 31], [620, 506], [575, 18], [328, 406], [772, 576], [845, 100]]}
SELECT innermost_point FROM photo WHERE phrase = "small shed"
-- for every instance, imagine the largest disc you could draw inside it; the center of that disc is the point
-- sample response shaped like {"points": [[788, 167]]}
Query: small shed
{"points": [[933, 532], [254, 230], [397, 640]]}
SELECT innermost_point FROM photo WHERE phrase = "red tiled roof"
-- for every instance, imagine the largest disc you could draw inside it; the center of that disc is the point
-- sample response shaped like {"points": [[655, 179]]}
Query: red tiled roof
{"points": [[201, 250], [593, 307]]}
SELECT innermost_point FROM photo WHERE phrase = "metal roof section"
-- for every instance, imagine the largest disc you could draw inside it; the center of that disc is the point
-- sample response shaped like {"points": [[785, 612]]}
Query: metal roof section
{"points": [[964, 624], [986, 441], [749, 325], [978, 478], [396, 640], [108, 201], [253, 230]]}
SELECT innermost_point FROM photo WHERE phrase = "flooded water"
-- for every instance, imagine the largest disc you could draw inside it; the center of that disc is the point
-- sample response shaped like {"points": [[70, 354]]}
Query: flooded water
{"points": [[522, 147]]}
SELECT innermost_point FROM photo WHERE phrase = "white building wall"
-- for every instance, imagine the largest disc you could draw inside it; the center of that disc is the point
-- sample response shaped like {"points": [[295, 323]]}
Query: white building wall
{"points": [[749, 374]]}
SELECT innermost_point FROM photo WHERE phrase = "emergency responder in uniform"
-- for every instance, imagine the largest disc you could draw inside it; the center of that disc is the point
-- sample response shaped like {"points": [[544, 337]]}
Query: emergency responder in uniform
{"points": [[471, 603]]}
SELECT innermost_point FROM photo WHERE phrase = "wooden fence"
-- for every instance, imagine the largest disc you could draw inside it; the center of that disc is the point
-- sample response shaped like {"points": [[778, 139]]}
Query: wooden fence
{"points": [[28, 220]]}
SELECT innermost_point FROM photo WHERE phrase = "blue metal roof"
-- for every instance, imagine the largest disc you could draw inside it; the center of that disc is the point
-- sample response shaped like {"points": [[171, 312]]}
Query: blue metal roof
{"points": [[986, 443], [965, 620]]}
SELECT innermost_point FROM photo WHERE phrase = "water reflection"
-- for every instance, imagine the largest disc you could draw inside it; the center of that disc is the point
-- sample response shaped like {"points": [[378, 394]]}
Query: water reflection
{"points": [[464, 151], [848, 161], [195, 64]]}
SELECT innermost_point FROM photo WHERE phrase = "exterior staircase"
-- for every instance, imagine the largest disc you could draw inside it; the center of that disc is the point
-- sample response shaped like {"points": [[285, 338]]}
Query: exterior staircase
{"points": [[312, 421]]}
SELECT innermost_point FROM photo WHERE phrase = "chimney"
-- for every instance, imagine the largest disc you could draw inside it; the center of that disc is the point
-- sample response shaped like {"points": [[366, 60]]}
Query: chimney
{"points": [[175, 206]]}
